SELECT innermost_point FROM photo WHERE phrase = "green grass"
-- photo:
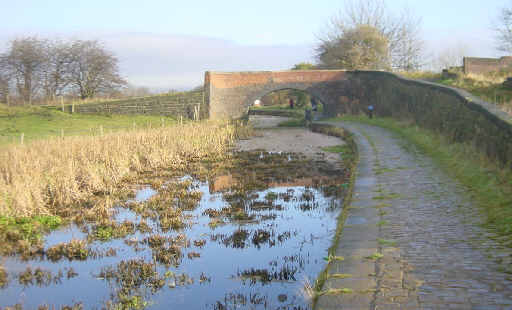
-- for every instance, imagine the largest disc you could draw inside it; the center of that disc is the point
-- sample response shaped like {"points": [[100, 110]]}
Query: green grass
{"points": [[292, 123], [344, 150], [387, 196], [39, 123], [297, 112], [386, 242], [29, 228], [490, 186], [375, 256]]}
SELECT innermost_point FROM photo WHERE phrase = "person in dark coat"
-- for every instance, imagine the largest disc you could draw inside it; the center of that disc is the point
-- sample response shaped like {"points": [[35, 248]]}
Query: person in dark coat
{"points": [[370, 111], [291, 103]]}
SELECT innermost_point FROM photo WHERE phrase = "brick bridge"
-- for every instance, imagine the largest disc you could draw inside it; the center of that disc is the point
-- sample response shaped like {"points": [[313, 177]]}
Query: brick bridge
{"points": [[230, 94], [453, 113]]}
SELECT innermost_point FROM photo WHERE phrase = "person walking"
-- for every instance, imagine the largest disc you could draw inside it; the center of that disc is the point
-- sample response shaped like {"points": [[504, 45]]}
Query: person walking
{"points": [[308, 117], [370, 111], [291, 103]]}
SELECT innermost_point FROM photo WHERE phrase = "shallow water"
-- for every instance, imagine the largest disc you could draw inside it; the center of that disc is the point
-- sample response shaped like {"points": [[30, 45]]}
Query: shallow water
{"points": [[260, 259]]}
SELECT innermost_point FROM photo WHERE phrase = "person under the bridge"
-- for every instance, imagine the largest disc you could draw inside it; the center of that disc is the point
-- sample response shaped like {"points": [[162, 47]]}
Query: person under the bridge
{"points": [[370, 111], [291, 103], [308, 117], [314, 104]]}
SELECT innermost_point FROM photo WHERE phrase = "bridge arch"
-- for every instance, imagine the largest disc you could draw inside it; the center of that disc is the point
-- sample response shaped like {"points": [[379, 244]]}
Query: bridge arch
{"points": [[230, 94]]}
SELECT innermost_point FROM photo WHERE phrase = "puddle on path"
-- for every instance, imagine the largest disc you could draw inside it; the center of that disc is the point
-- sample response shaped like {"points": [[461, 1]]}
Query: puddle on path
{"points": [[249, 234]]}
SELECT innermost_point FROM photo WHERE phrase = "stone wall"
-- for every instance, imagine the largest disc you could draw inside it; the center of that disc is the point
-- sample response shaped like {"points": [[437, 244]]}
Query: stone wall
{"points": [[183, 104], [450, 112], [475, 65]]}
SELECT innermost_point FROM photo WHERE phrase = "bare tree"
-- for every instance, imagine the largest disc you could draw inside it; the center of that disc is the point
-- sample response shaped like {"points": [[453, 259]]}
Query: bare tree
{"points": [[407, 51], [362, 47], [503, 28], [93, 69], [4, 80], [402, 32], [450, 56], [56, 70], [24, 61]]}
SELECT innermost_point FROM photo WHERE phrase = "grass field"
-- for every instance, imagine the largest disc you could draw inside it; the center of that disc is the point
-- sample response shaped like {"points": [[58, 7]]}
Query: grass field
{"points": [[39, 123], [490, 185]]}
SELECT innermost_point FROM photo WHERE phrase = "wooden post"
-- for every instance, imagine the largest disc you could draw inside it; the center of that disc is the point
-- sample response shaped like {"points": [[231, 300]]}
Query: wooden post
{"points": [[72, 108], [162, 120], [202, 104], [133, 125], [62, 133], [62, 103], [22, 137], [181, 119]]}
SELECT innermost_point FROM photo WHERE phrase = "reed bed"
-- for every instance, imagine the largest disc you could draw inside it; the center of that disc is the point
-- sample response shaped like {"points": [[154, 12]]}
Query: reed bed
{"points": [[48, 176]]}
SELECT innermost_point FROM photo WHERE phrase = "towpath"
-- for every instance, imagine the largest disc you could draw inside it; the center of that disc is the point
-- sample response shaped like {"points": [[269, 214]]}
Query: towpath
{"points": [[412, 239]]}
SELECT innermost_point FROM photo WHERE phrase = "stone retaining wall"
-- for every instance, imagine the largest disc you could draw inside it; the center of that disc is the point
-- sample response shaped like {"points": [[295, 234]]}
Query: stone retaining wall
{"points": [[184, 105]]}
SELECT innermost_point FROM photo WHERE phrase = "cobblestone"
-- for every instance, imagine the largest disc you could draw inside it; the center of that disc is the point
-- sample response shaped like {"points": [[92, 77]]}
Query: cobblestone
{"points": [[437, 256]]}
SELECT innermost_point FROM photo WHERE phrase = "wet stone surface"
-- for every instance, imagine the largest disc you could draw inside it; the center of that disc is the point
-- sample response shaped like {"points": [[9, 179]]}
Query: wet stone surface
{"points": [[422, 246], [241, 234]]}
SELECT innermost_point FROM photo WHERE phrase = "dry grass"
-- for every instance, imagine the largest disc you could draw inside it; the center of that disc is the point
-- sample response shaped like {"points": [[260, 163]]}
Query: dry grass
{"points": [[47, 176]]}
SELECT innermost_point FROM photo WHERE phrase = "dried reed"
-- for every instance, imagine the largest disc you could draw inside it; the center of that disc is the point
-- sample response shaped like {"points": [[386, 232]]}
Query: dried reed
{"points": [[46, 176]]}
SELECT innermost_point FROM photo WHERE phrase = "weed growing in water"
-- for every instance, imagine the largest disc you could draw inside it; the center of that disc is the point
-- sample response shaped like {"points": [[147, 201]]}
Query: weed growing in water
{"points": [[73, 250], [4, 279]]}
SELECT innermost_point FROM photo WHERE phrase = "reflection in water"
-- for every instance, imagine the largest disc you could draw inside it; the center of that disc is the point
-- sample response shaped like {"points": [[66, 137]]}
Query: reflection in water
{"points": [[243, 237]]}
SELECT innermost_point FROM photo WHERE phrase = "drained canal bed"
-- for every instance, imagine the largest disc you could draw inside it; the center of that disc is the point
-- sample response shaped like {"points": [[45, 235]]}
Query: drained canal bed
{"points": [[247, 233]]}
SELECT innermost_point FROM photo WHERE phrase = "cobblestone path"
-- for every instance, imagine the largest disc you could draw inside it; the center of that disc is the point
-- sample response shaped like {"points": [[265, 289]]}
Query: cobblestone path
{"points": [[412, 238]]}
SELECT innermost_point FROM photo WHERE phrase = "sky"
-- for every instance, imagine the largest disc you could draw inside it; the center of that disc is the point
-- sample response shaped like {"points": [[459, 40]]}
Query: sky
{"points": [[170, 44]]}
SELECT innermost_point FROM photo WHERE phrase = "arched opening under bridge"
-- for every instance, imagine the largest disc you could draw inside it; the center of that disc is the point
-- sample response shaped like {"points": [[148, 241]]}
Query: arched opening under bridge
{"points": [[231, 94]]}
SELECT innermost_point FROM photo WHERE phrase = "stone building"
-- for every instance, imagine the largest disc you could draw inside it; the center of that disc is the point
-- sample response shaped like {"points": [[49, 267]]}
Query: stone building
{"points": [[476, 65]]}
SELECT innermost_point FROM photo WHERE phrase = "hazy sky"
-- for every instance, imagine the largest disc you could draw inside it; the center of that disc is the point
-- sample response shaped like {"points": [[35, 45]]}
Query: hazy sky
{"points": [[169, 44]]}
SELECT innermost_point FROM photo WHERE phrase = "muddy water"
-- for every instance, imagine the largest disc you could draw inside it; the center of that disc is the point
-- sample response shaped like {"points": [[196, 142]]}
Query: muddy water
{"points": [[253, 231]]}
